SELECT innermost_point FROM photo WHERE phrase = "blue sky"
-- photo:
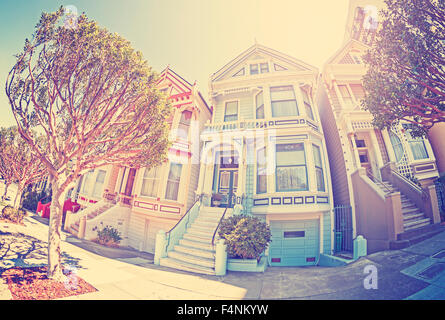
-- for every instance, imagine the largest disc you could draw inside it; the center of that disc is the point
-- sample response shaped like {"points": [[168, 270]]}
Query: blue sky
{"points": [[196, 37]]}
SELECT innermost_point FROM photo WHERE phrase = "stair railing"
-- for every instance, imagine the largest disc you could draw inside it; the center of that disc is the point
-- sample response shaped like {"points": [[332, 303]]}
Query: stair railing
{"points": [[420, 190], [217, 227], [376, 180], [181, 226]]}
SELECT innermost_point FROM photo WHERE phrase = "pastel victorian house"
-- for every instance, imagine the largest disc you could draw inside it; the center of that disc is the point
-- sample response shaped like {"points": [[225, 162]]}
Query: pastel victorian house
{"points": [[265, 151], [385, 177], [139, 202]]}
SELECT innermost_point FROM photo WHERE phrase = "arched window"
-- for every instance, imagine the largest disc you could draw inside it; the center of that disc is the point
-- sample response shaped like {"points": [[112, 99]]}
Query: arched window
{"points": [[396, 145]]}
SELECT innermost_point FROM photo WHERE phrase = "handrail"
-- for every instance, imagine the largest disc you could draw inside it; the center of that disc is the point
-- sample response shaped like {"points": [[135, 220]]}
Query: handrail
{"points": [[179, 221], [217, 227], [410, 183], [374, 179]]}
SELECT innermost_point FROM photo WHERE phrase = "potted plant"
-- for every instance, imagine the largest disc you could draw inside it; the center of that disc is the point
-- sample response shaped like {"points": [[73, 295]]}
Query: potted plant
{"points": [[246, 237], [216, 199]]}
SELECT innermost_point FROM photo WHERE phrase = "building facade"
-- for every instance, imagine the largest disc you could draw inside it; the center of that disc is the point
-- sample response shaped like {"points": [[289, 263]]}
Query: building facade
{"points": [[265, 150], [368, 165], [139, 202]]}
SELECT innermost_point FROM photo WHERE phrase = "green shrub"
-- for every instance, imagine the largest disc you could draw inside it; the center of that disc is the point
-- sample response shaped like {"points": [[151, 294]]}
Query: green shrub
{"points": [[246, 237], [13, 215], [108, 236], [32, 198]]}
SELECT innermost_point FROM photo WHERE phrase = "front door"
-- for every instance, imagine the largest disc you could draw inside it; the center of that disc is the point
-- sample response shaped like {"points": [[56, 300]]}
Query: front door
{"points": [[228, 184]]}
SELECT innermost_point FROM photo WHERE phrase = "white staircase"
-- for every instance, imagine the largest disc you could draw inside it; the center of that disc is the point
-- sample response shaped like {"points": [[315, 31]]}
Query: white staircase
{"points": [[413, 218], [195, 252], [74, 228]]}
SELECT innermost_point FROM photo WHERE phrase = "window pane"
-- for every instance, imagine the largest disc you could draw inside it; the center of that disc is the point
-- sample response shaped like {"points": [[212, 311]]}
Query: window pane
{"points": [[231, 113], [345, 95], [290, 154], [283, 101], [320, 179], [259, 106], [261, 171], [174, 177], [150, 182], [264, 67], [307, 104], [291, 178], [418, 149], [99, 185], [284, 108], [253, 69], [291, 167], [396, 145], [317, 156], [282, 93]]}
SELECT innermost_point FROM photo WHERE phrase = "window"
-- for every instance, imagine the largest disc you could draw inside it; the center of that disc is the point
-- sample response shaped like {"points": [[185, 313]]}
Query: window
{"points": [[150, 182], [253, 69], [318, 168], [396, 145], [363, 156], [283, 101], [184, 125], [259, 103], [307, 104], [174, 177], [291, 172], [99, 185], [416, 144], [360, 143], [264, 67], [293, 234], [259, 68], [87, 182], [356, 57], [347, 99], [261, 183], [231, 112], [358, 91]]}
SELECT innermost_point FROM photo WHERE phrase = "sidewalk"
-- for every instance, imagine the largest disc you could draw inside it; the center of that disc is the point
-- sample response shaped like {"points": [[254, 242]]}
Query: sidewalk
{"points": [[129, 274]]}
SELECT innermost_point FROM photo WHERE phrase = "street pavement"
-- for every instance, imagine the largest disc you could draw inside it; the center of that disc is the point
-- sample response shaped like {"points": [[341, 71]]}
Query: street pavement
{"points": [[417, 272]]}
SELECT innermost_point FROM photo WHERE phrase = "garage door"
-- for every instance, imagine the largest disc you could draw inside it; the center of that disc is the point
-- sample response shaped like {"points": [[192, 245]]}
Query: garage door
{"points": [[294, 243]]}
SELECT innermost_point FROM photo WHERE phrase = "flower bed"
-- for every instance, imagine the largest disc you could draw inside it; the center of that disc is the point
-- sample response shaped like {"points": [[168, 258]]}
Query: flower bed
{"points": [[33, 284]]}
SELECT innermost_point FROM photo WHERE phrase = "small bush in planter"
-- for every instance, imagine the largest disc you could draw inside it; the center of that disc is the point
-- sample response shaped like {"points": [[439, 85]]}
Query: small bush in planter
{"points": [[12, 214], [108, 236], [246, 237]]}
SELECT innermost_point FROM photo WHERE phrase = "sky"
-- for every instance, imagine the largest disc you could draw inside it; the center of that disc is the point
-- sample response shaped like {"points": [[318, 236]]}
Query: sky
{"points": [[194, 37]]}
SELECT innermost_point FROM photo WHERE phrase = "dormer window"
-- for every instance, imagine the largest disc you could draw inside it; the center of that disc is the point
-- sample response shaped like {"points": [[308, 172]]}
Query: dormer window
{"points": [[259, 68]]}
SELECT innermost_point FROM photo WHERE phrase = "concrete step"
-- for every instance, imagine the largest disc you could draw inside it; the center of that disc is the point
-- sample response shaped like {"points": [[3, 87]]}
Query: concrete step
{"points": [[192, 259], [196, 244], [204, 235], [413, 216], [414, 224], [181, 265], [205, 223], [203, 253], [410, 210], [200, 229], [193, 237]]}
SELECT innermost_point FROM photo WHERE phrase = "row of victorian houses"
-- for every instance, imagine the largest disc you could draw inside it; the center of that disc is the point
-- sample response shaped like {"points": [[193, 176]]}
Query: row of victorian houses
{"points": [[281, 141]]}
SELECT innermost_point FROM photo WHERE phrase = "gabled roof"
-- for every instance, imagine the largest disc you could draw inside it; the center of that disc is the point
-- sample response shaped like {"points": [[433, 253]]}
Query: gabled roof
{"points": [[178, 85], [341, 56], [258, 50]]}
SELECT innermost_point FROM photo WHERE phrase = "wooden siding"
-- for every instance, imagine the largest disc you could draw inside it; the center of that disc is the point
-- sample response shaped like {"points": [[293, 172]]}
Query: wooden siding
{"points": [[334, 147]]}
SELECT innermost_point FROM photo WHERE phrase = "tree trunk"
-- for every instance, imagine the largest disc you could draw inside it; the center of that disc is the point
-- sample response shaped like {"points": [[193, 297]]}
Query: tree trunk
{"points": [[6, 191], [54, 252], [18, 196]]}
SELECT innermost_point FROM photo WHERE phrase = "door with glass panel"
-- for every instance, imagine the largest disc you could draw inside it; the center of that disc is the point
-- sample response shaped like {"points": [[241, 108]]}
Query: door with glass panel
{"points": [[228, 184]]}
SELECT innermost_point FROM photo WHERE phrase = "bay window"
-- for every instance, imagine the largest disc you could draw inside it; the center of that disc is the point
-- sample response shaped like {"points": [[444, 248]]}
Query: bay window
{"points": [[291, 173], [347, 99], [283, 101], [307, 104]]}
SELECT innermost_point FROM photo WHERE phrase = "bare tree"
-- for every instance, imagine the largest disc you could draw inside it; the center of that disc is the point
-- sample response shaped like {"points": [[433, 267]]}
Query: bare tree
{"points": [[94, 99]]}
